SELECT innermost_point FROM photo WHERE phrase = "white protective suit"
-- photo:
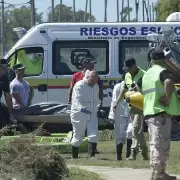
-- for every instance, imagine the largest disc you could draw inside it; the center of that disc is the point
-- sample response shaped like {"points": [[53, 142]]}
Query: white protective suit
{"points": [[84, 96], [122, 125]]}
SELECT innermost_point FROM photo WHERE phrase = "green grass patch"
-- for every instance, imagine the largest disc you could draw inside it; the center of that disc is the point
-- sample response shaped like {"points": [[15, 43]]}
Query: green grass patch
{"points": [[78, 174], [107, 157]]}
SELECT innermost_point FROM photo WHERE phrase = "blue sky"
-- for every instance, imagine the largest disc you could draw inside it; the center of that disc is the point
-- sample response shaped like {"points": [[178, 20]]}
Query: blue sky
{"points": [[97, 10]]}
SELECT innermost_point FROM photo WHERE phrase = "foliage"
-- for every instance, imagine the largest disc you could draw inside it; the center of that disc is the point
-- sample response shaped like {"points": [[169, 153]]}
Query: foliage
{"points": [[21, 17], [17, 17], [165, 7], [67, 14], [21, 159], [124, 13]]}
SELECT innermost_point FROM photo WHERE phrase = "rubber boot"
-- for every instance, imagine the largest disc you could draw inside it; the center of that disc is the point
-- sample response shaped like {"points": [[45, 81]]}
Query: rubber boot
{"points": [[75, 152], [152, 174], [163, 176], [97, 152], [128, 150], [119, 149], [92, 149], [145, 153], [133, 155]]}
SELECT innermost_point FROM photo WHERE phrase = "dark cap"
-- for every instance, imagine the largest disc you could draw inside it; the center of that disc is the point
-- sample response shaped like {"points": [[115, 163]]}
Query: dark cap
{"points": [[3, 62], [18, 67], [157, 55], [88, 60], [129, 63]]}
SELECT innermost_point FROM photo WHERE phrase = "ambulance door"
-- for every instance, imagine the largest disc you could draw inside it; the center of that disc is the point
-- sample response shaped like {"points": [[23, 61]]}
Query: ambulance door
{"points": [[35, 60], [66, 56]]}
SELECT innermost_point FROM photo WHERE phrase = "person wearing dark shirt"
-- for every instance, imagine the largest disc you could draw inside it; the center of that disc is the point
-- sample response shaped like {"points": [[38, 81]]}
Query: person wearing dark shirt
{"points": [[4, 88]]}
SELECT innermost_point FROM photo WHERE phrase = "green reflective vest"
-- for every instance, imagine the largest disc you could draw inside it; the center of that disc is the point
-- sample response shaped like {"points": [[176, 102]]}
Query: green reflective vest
{"points": [[129, 80], [153, 90]]}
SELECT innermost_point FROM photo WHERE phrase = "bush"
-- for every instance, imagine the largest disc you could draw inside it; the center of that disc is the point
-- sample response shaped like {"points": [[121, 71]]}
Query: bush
{"points": [[22, 159]]}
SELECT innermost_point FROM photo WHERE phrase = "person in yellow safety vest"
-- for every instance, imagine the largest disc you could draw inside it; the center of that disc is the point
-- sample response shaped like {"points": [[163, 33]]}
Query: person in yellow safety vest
{"points": [[160, 104], [134, 73], [33, 65]]}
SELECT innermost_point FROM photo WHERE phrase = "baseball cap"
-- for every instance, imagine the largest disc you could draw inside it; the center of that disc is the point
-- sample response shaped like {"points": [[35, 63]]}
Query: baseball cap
{"points": [[19, 67], [88, 60], [129, 63], [157, 55]]}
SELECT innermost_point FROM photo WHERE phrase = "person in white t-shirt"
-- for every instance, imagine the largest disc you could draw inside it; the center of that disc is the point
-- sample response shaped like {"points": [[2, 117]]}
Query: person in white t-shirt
{"points": [[20, 89]]}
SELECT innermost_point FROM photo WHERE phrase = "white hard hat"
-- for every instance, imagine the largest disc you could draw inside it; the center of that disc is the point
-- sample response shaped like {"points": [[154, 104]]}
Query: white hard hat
{"points": [[174, 17]]}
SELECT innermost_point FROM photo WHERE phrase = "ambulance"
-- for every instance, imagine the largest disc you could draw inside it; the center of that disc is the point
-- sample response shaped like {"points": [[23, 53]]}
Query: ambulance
{"points": [[52, 53]]}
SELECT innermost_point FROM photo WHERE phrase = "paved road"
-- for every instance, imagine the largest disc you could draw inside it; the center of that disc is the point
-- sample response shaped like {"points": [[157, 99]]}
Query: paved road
{"points": [[108, 173]]}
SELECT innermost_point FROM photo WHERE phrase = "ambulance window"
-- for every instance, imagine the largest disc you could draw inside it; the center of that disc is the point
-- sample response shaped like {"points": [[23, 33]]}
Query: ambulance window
{"points": [[133, 48], [64, 65], [31, 57]]}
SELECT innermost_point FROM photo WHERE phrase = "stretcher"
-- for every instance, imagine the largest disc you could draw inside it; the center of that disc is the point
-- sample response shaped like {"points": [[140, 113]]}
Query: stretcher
{"points": [[58, 141]]}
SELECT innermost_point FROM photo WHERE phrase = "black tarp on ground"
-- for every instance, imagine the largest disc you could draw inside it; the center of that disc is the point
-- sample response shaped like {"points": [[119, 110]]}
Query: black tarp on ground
{"points": [[60, 109], [45, 108]]}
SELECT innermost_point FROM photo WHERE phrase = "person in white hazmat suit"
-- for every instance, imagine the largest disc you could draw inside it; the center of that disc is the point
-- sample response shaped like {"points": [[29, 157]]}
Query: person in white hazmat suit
{"points": [[122, 122], [84, 105]]}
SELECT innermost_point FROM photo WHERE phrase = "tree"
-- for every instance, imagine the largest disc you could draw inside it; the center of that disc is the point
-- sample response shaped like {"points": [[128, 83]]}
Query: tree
{"points": [[124, 13], [18, 17], [165, 7], [67, 14]]}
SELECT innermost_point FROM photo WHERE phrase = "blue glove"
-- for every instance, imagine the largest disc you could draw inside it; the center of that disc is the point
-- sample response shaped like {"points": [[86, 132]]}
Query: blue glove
{"points": [[84, 110]]}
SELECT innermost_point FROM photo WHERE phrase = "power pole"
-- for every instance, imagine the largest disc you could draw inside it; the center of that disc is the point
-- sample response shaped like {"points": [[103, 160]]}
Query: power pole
{"points": [[150, 13], [2, 29], [33, 13], [137, 9], [117, 3], [52, 15], [90, 10], [122, 10], [105, 10], [74, 10], [143, 3], [153, 12], [129, 18], [85, 12], [146, 9], [60, 10]]}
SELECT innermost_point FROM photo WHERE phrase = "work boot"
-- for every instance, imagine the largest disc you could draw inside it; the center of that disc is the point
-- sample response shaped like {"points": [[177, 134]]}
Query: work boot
{"points": [[133, 155], [128, 150], [92, 149], [75, 152], [119, 148], [145, 153], [163, 176]]}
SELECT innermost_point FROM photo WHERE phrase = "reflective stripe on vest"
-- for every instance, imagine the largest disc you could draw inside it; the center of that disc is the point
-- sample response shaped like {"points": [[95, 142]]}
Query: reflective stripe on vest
{"points": [[160, 90]]}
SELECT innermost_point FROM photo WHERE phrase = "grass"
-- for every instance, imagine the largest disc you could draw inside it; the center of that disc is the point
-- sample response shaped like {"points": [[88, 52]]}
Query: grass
{"points": [[78, 174], [107, 157]]}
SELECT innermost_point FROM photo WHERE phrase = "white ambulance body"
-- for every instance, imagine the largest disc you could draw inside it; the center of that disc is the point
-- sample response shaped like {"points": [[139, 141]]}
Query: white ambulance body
{"points": [[109, 43]]}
